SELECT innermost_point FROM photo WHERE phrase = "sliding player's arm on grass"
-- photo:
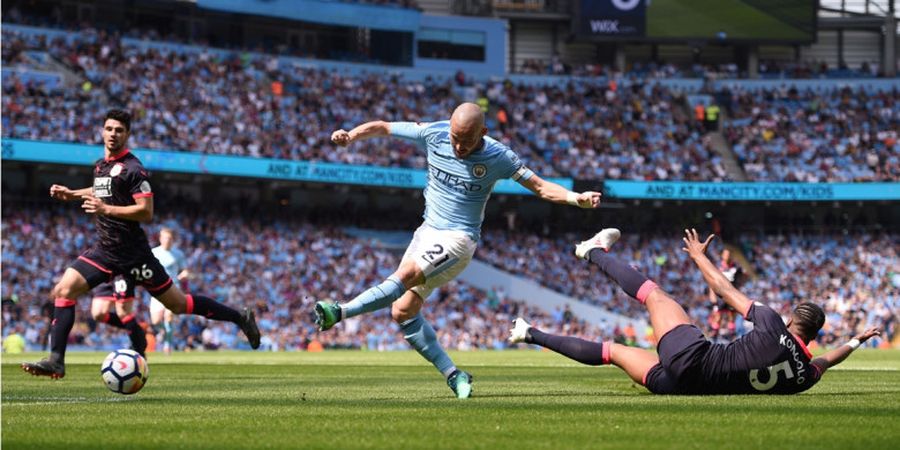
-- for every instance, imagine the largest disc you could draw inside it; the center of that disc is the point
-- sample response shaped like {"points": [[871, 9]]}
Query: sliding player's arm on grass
{"points": [[713, 276], [836, 356], [552, 192]]}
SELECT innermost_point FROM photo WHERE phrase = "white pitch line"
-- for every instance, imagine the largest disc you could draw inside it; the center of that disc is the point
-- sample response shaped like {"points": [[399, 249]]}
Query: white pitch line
{"points": [[37, 401]]}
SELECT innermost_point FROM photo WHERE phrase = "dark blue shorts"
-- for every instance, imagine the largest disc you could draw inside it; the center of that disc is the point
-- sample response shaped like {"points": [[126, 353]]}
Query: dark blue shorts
{"points": [[98, 268], [681, 354], [119, 290]]}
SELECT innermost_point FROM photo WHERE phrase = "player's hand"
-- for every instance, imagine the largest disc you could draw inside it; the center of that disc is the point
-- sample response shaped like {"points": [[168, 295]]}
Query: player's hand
{"points": [[588, 199], [692, 243], [93, 205], [60, 192], [341, 137], [865, 335]]}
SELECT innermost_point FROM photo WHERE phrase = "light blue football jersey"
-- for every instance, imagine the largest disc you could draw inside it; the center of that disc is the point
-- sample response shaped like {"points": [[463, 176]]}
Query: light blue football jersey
{"points": [[458, 189], [172, 260]]}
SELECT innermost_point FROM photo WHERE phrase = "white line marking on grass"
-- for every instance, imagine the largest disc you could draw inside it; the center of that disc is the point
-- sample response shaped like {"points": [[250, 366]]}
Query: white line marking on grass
{"points": [[36, 401]]}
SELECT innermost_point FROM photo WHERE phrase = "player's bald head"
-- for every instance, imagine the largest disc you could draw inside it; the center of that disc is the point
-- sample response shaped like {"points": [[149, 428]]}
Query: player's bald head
{"points": [[467, 129], [467, 116]]}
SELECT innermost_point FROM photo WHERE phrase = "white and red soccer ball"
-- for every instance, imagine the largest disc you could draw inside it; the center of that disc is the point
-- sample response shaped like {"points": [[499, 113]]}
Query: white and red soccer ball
{"points": [[124, 371]]}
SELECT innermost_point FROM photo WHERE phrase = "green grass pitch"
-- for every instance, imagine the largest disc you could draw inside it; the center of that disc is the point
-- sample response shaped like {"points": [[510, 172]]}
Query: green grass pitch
{"points": [[705, 18], [346, 399]]}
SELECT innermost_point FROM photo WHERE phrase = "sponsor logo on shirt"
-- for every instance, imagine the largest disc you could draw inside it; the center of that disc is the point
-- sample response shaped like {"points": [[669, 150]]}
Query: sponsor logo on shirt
{"points": [[103, 187], [452, 181]]}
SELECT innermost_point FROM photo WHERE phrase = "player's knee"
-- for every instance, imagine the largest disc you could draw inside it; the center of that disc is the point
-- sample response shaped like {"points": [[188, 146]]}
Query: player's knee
{"points": [[401, 314], [410, 274], [62, 291]]}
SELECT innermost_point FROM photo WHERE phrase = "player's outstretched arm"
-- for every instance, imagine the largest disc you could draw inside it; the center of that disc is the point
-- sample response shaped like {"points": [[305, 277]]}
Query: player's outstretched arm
{"points": [[838, 355], [714, 278], [367, 130], [65, 194], [555, 193], [141, 211]]}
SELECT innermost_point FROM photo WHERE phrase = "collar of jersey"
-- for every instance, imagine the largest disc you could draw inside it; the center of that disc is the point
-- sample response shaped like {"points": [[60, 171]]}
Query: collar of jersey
{"points": [[120, 156], [802, 345]]}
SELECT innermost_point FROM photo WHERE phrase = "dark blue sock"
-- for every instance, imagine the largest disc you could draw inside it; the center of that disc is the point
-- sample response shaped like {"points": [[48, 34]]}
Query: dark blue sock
{"points": [[631, 281]]}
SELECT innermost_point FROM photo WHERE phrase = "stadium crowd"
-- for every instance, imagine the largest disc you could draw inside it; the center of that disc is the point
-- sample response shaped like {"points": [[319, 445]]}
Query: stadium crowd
{"points": [[769, 69], [815, 136], [282, 267], [259, 107], [262, 106]]}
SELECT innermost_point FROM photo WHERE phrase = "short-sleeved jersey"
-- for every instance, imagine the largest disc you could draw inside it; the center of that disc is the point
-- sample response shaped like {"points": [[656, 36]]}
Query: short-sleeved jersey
{"points": [[172, 260], [458, 189], [767, 360], [119, 181]]}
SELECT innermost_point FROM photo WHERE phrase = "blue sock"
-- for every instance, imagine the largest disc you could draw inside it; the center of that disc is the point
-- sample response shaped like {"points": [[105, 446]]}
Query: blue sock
{"points": [[374, 298], [421, 336]]}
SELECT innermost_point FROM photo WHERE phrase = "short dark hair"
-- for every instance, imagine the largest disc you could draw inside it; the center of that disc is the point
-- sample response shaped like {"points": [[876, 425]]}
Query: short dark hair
{"points": [[808, 318], [121, 115]]}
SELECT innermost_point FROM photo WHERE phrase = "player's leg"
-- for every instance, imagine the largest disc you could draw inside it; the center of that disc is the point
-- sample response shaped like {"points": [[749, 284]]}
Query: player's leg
{"points": [[441, 256], [160, 315], [635, 362], [179, 303], [382, 295], [121, 294], [665, 313], [126, 315], [168, 319], [101, 306], [73, 284], [407, 312]]}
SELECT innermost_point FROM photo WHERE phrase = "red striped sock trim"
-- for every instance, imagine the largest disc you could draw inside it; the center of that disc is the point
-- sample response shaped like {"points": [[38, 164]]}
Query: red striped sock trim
{"points": [[189, 308], [105, 318], [128, 318], [645, 291], [63, 302], [607, 350]]}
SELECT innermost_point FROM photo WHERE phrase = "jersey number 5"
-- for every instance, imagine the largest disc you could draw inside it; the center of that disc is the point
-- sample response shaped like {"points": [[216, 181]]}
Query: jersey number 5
{"points": [[784, 366]]}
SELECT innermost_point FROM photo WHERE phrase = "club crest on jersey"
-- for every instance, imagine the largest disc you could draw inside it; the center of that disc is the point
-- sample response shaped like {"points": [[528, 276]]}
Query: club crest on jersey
{"points": [[479, 170], [116, 169]]}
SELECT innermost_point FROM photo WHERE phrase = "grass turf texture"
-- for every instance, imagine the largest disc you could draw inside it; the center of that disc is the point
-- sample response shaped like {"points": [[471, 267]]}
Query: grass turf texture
{"points": [[705, 18], [345, 399]]}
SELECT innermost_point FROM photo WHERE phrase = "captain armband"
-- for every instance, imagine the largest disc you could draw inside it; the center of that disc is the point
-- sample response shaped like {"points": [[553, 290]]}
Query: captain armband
{"points": [[522, 172]]}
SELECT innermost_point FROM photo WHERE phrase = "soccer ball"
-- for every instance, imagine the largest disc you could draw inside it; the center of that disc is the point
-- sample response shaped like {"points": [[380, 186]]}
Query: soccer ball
{"points": [[124, 371]]}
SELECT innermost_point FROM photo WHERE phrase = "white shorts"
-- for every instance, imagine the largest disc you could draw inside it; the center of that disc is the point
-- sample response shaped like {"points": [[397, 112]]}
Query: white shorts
{"points": [[441, 254], [156, 307]]}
